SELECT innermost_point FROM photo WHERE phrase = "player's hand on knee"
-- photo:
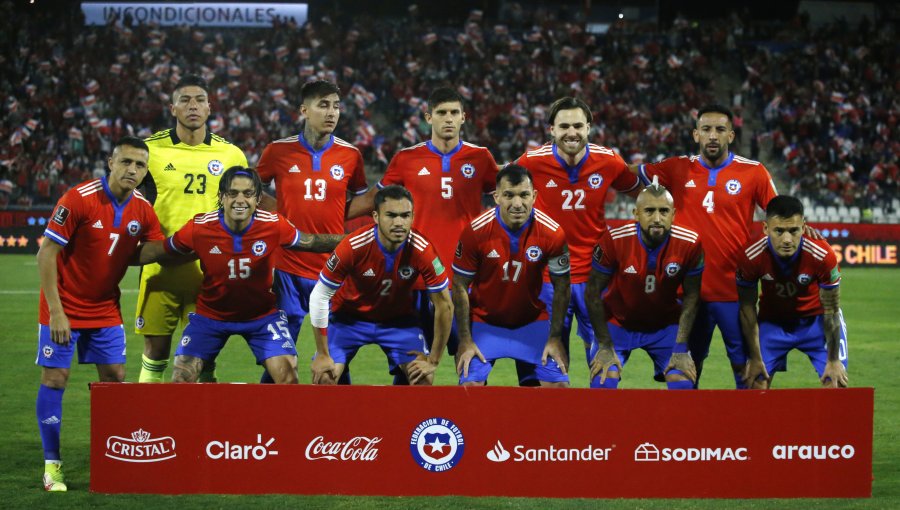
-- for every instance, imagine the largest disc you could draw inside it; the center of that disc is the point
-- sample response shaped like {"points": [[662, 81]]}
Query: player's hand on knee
{"points": [[755, 370], [834, 375], [323, 369], [465, 353], [555, 349], [420, 370], [682, 362], [603, 361]]}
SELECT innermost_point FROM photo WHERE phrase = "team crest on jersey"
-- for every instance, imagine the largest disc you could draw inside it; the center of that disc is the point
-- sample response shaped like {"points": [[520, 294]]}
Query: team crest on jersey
{"points": [[406, 272], [47, 351], [672, 268], [215, 167], [337, 171], [468, 170], [258, 248], [804, 279], [60, 216], [595, 181], [185, 340], [533, 253], [133, 228], [437, 445], [733, 187]]}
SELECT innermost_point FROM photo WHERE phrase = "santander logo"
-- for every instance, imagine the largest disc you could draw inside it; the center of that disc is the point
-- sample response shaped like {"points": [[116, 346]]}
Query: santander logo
{"points": [[359, 448], [498, 453]]}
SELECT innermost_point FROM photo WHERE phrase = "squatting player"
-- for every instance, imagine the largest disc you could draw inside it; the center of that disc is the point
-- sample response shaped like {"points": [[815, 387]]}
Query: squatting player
{"points": [[447, 178], [315, 175], [716, 193], [800, 303], [236, 245], [368, 282], [502, 255], [573, 178], [644, 264], [96, 229], [186, 164]]}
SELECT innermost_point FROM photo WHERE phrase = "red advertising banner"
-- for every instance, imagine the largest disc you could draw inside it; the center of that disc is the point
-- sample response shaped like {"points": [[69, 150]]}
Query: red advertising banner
{"points": [[492, 441]]}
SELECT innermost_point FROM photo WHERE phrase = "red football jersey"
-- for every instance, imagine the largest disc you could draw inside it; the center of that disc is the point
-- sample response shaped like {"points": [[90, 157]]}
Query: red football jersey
{"points": [[719, 204], [643, 291], [787, 284], [237, 266], [447, 189], [311, 188], [376, 285], [99, 236], [507, 267], [576, 196]]}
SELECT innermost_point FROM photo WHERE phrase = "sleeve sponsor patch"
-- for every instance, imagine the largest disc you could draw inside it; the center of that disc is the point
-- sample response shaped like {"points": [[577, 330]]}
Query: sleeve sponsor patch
{"points": [[438, 267], [835, 274], [459, 249], [60, 215], [332, 262], [598, 254], [559, 265]]}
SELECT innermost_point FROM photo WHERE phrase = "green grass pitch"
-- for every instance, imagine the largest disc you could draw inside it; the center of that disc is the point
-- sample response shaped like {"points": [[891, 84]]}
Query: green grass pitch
{"points": [[870, 300]]}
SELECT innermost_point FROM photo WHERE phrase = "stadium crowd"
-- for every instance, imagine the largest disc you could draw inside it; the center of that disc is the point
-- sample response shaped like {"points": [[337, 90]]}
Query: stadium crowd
{"points": [[825, 95], [829, 102]]}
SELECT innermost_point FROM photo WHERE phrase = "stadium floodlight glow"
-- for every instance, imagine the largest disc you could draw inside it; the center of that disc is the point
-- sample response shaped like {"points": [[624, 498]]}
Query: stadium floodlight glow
{"points": [[621, 16]]}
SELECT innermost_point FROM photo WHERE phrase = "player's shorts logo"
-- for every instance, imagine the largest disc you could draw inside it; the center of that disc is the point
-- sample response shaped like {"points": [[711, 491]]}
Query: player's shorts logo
{"points": [[259, 247], [47, 351], [133, 228], [139, 322], [215, 167], [804, 279], [185, 340], [595, 181], [468, 170], [733, 187], [672, 268], [406, 272], [533, 253], [437, 445], [337, 171]]}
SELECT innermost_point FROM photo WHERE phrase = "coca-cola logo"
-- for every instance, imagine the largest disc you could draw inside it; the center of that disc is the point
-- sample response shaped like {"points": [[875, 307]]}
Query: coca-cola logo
{"points": [[359, 448]]}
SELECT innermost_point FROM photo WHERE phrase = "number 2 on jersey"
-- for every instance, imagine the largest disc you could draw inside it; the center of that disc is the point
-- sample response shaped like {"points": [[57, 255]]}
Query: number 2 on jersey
{"points": [[569, 196]]}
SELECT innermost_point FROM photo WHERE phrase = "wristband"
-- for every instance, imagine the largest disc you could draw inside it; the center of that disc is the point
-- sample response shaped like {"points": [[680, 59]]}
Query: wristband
{"points": [[680, 348], [323, 331]]}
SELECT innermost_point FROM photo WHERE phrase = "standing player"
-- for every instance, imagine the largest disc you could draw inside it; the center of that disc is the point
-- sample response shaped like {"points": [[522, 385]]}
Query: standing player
{"points": [[716, 194], [447, 178], [376, 268], [645, 264], [800, 303], [503, 255], [573, 178], [186, 165], [315, 174], [236, 245], [95, 231]]}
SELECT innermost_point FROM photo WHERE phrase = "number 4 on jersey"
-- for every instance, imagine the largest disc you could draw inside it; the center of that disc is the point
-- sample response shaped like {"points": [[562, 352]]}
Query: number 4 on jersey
{"points": [[708, 201]]}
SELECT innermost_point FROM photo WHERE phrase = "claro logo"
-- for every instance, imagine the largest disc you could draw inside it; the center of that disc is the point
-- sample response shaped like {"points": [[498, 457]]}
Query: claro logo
{"points": [[813, 452], [140, 447], [648, 452], [227, 450], [359, 448]]}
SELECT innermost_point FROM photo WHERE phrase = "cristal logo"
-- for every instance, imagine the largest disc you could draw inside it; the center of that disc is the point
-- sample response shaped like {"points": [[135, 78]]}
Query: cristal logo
{"points": [[498, 453], [813, 452], [360, 448], [648, 452], [235, 451], [140, 448]]}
